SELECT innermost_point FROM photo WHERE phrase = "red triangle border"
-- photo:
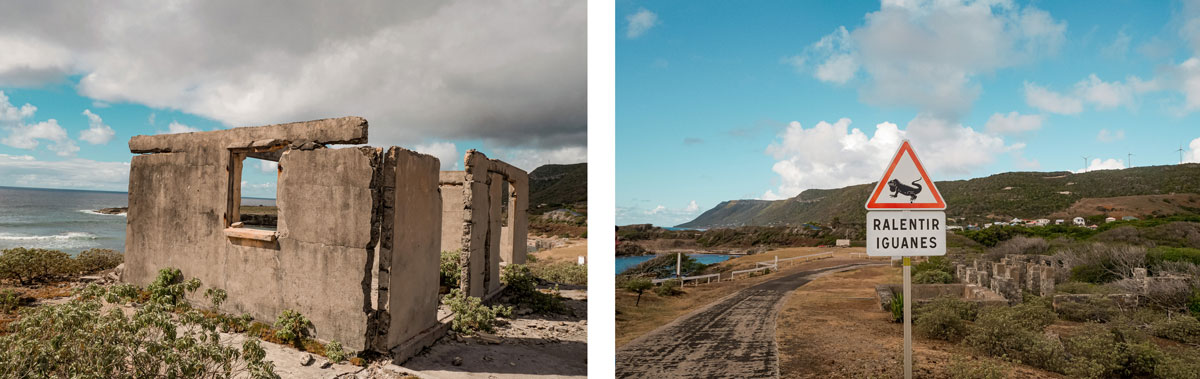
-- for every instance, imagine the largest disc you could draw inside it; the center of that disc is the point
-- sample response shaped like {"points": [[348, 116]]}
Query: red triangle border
{"points": [[873, 205]]}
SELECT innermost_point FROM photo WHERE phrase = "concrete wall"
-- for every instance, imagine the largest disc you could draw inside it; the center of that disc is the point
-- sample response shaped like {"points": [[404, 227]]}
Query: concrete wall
{"points": [[454, 211], [479, 226], [357, 240]]}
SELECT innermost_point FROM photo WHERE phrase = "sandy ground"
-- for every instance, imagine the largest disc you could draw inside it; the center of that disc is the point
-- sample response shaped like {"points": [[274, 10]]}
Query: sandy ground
{"points": [[732, 337], [541, 346], [574, 249], [833, 327]]}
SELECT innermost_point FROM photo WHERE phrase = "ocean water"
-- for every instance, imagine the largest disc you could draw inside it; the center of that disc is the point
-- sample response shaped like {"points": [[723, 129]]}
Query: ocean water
{"points": [[624, 263], [66, 219]]}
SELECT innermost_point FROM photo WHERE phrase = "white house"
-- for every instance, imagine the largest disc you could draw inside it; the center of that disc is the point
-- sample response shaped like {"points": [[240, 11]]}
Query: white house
{"points": [[1043, 222], [1078, 221], [1058, 222], [1110, 219]]}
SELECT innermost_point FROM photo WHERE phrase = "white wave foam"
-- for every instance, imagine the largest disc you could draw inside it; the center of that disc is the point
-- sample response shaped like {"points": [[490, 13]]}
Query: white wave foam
{"points": [[91, 212], [63, 236]]}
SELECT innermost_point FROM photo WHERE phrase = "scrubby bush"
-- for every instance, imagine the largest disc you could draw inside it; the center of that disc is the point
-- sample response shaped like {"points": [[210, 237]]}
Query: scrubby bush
{"points": [[28, 266], [9, 301], [450, 270], [1103, 263], [562, 272], [1094, 309], [940, 323], [82, 339], [1016, 332], [978, 369], [1018, 245], [470, 315], [1081, 288], [333, 351], [897, 306], [932, 277], [669, 288], [96, 260], [637, 285], [1184, 329], [522, 289], [169, 288], [292, 327]]}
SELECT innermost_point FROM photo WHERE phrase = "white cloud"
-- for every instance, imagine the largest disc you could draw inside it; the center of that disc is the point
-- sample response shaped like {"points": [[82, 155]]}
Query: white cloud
{"points": [[1119, 46], [445, 152], [640, 22], [834, 155], [26, 136], [927, 54], [657, 210], [510, 73], [25, 171], [1051, 101], [150, 119], [692, 207], [530, 159], [1013, 123], [97, 132], [1107, 136], [1104, 94], [101, 104], [268, 166], [1106, 164], [176, 127], [1192, 155]]}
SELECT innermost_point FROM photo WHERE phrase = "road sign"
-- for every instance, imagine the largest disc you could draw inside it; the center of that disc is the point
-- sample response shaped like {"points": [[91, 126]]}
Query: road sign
{"points": [[906, 233], [905, 185]]}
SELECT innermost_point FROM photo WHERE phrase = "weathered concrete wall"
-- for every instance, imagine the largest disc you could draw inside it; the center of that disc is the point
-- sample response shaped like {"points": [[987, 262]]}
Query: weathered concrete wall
{"points": [[485, 243], [416, 217], [453, 209], [356, 250]]}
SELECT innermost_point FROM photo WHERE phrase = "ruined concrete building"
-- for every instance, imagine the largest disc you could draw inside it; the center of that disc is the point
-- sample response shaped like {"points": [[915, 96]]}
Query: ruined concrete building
{"points": [[359, 229], [484, 218]]}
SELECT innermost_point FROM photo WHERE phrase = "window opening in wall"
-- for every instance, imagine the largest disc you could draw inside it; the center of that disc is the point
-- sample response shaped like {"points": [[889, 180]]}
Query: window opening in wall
{"points": [[259, 186], [505, 192]]}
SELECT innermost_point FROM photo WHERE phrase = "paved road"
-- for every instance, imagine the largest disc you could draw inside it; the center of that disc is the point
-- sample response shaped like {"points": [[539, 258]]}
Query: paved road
{"points": [[731, 338]]}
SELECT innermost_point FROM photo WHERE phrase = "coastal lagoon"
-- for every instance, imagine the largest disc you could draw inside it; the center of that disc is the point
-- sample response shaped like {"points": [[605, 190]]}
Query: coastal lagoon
{"points": [[66, 219], [624, 263]]}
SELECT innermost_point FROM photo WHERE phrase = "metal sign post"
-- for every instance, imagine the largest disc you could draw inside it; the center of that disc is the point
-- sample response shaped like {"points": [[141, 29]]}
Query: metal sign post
{"points": [[906, 218]]}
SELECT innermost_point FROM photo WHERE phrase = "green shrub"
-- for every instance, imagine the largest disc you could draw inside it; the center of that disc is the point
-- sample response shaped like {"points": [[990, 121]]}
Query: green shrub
{"points": [[1184, 329], [1083, 288], [82, 339], [96, 260], [9, 301], [562, 272], [978, 369], [333, 351], [897, 306], [638, 285], [1016, 332], [522, 289], [1094, 309], [933, 277], [292, 327], [934, 263], [1178, 367], [169, 288], [29, 266], [450, 270], [1193, 303], [470, 315], [669, 288], [942, 324], [1172, 254]]}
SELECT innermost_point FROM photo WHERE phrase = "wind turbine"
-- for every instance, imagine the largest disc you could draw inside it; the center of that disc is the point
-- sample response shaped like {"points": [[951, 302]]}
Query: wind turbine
{"points": [[1085, 160], [1128, 160], [1180, 153]]}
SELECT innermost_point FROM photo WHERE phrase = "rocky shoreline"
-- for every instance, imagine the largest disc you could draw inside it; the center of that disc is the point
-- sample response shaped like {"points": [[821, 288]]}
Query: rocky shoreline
{"points": [[113, 211]]}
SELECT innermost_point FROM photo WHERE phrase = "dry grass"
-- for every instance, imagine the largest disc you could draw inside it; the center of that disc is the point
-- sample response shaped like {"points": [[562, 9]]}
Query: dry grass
{"points": [[655, 311], [569, 253]]}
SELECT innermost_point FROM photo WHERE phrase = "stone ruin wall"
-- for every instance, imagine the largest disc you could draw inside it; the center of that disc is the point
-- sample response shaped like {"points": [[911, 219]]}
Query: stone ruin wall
{"points": [[1038, 274], [356, 245], [474, 221]]}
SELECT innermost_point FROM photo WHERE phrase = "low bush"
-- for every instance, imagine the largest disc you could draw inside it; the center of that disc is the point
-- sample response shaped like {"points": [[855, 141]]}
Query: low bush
{"points": [[897, 306], [292, 327], [976, 369], [169, 288], [963, 309], [1173, 254], [932, 277], [96, 260], [1094, 309], [637, 285], [1016, 333], [942, 324], [333, 351], [470, 315], [1080, 288], [669, 288], [28, 266], [522, 289], [1184, 329], [82, 339], [9, 301], [450, 270], [562, 272]]}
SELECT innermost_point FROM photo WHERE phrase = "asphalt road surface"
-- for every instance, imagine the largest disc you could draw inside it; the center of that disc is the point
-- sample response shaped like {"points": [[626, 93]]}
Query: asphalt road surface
{"points": [[731, 338]]}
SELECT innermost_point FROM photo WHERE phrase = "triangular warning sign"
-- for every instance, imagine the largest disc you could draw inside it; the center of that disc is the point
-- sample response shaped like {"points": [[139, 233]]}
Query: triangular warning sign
{"points": [[905, 185]]}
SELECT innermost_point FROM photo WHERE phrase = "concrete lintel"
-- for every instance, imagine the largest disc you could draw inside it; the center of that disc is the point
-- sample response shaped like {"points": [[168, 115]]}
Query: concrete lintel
{"points": [[344, 130]]}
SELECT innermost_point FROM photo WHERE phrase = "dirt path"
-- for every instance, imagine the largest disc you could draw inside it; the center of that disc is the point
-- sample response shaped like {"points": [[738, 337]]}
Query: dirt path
{"points": [[732, 337]]}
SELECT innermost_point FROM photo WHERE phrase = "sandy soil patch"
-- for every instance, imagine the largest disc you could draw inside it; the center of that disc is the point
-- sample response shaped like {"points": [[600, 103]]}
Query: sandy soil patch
{"points": [[574, 249]]}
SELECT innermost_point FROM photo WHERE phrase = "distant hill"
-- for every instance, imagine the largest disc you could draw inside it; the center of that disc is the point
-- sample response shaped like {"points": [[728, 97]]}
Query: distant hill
{"points": [[556, 186], [993, 198]]}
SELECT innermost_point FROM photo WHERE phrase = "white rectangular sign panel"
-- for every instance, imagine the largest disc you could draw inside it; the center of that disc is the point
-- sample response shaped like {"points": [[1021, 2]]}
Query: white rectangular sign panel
{"points": [[906, 233]]}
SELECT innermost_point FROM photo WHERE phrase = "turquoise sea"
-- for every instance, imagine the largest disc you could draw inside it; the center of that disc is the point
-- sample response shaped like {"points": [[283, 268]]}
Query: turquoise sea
{"points": [[66, 219], [624, 263]]}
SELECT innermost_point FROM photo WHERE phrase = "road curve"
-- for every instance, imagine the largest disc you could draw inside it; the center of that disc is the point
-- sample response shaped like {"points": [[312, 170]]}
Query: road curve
{"points": [[733, 337]]}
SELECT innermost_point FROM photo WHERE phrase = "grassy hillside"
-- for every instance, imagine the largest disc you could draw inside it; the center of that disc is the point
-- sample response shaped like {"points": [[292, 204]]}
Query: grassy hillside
{"points": [[997, 197], [555, 186]]}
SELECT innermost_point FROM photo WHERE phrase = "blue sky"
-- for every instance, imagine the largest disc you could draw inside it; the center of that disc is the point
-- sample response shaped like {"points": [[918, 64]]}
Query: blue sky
{"points": [[762, 100], [439, 77]]}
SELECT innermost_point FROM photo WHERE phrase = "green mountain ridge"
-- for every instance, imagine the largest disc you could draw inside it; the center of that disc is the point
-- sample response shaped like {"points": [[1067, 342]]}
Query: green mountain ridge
{"points": [[992, 198], [555, 186]]}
